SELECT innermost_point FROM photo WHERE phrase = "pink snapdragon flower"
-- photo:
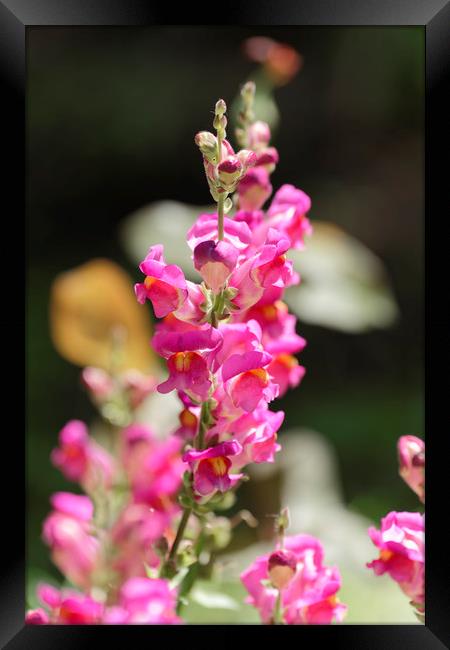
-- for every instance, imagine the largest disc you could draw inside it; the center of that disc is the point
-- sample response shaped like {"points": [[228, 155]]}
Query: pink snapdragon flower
{"points": [[205, 228], [257, 433], [81, 459], [287, 213], [153, 467], [188, 354], [98, 382], [258, 135], [277, 326], [189, 421], [65, 607], [211, 467], [215, 262], [36, 617], [267, 268], [308, 588], [67, 530], [137, 386], [401, 540], [285, 372], [411, 456], [247, 381], [144, 601], [133, 535], [254, 189], [224, 175], [165, 285]]}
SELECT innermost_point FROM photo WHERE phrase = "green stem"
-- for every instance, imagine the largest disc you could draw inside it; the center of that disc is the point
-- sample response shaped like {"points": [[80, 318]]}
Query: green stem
{"points": [[200, 441], [179, 536], [192, 576], [220, 210], [278, 614]]}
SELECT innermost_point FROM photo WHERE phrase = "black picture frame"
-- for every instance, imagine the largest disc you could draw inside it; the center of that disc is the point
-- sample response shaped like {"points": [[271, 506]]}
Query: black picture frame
{"points": [[434, 16]]}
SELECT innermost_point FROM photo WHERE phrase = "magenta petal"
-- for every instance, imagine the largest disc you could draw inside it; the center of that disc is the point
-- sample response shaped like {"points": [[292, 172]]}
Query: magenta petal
{"points": [[239, 363]]}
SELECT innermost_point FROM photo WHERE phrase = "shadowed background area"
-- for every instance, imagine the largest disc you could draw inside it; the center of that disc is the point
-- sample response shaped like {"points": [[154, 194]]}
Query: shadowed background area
{"points": [[111, 116]]}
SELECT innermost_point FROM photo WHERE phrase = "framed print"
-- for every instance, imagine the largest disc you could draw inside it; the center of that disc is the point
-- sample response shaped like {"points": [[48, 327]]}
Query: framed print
{"points": [[233, 318]]}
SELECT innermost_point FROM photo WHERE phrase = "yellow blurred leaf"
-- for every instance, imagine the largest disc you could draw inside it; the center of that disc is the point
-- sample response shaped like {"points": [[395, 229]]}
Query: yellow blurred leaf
{"points": [[94, 312]]}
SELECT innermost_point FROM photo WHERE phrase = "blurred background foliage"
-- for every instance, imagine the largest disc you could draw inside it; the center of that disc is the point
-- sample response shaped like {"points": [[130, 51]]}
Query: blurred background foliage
{"points": [[111, 115]]}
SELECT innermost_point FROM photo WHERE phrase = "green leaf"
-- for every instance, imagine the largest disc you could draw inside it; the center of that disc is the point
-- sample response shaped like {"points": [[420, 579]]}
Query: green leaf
{"points": [[213, 599]]}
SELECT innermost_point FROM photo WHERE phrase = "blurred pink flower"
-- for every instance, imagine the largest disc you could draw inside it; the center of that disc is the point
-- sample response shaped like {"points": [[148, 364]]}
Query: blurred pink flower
{"points": [[164, 285], [67, 530], [296, 572], [81, 459], [211, 467], [411, 456], [401, 541]]}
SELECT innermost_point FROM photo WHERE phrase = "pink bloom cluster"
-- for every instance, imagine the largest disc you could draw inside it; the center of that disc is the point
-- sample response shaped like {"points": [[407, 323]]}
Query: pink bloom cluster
{"points": [[141, 600], [401, 538], [401, 541], [151, 468], [297, 576], [230, 342]]}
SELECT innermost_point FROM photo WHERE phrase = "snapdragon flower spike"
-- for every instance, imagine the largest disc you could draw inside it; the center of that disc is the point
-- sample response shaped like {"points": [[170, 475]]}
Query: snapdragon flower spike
{"points": [[215, 262], [165, 285], [401, 540], [188, 356], [67, 530], [307, 588], [411, 456], [211, 467]]}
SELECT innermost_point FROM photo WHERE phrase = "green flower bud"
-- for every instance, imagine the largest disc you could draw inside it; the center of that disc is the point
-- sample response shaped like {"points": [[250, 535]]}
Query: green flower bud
{"points": [[221, 107]]}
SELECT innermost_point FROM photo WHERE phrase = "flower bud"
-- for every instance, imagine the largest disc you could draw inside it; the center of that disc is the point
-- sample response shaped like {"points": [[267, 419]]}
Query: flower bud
{"points": [[215, 261], [221, 107], [220, 122], [207, 143], [258, 135], [411, 455], [281, 567], [248, 90], [229, 171], [248, 158]]}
